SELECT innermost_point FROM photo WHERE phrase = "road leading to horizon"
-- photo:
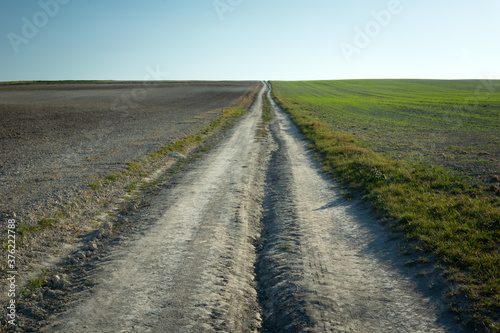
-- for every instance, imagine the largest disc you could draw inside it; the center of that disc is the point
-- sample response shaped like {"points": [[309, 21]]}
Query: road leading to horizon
{"points": [[255, 238]]}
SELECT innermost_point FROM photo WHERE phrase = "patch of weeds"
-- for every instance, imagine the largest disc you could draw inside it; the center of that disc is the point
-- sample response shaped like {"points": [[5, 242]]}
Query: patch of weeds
{"points": [[112, 177], [35, 284], [25, 229], [348, 196], [266, 110], [94, 186], [417, 247], [47, 223], [60, 214], [131, 187], [421, 260], [133, 167], [455, 308], [90, 283], [453, 278]]}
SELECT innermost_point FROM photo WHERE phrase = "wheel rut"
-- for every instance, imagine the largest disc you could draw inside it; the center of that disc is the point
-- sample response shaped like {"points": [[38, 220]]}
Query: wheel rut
{"points": [[324, 263], [279, 264], [255, 238]]}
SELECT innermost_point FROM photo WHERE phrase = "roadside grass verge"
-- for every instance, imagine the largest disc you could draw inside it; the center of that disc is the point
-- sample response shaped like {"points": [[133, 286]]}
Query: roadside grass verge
{"points": [[451, 218]]}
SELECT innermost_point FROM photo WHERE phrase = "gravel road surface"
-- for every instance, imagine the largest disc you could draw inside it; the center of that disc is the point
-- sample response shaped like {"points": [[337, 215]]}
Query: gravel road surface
{"points": [[254, 238], [193, 270], [325, 264]]}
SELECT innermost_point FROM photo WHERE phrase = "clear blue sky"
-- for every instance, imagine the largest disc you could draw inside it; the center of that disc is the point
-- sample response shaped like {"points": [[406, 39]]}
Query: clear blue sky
{"points": [[248, 39]]}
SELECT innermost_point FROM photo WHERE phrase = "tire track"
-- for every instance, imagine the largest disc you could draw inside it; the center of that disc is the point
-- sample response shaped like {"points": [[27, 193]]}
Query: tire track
{"points": [[280, 264], [325, 264], [193, 270], [254, 238]]}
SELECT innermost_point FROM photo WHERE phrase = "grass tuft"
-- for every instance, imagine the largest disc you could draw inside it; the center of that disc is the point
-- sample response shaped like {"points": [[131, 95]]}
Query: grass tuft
{"points": [[35, 284]]}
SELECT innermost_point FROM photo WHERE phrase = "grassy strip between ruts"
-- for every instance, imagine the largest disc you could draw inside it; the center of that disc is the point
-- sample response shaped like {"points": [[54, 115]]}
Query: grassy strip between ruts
{"points": [[458, 222], [266, 109]]}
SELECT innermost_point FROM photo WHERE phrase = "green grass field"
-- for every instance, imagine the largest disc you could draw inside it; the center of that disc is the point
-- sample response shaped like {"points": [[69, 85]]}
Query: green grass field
{"points": [[426, 154], [450, 123]]}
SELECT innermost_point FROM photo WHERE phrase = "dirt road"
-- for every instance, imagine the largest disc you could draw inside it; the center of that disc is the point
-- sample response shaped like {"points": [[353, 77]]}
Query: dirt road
{"points": [[254, 238]]}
